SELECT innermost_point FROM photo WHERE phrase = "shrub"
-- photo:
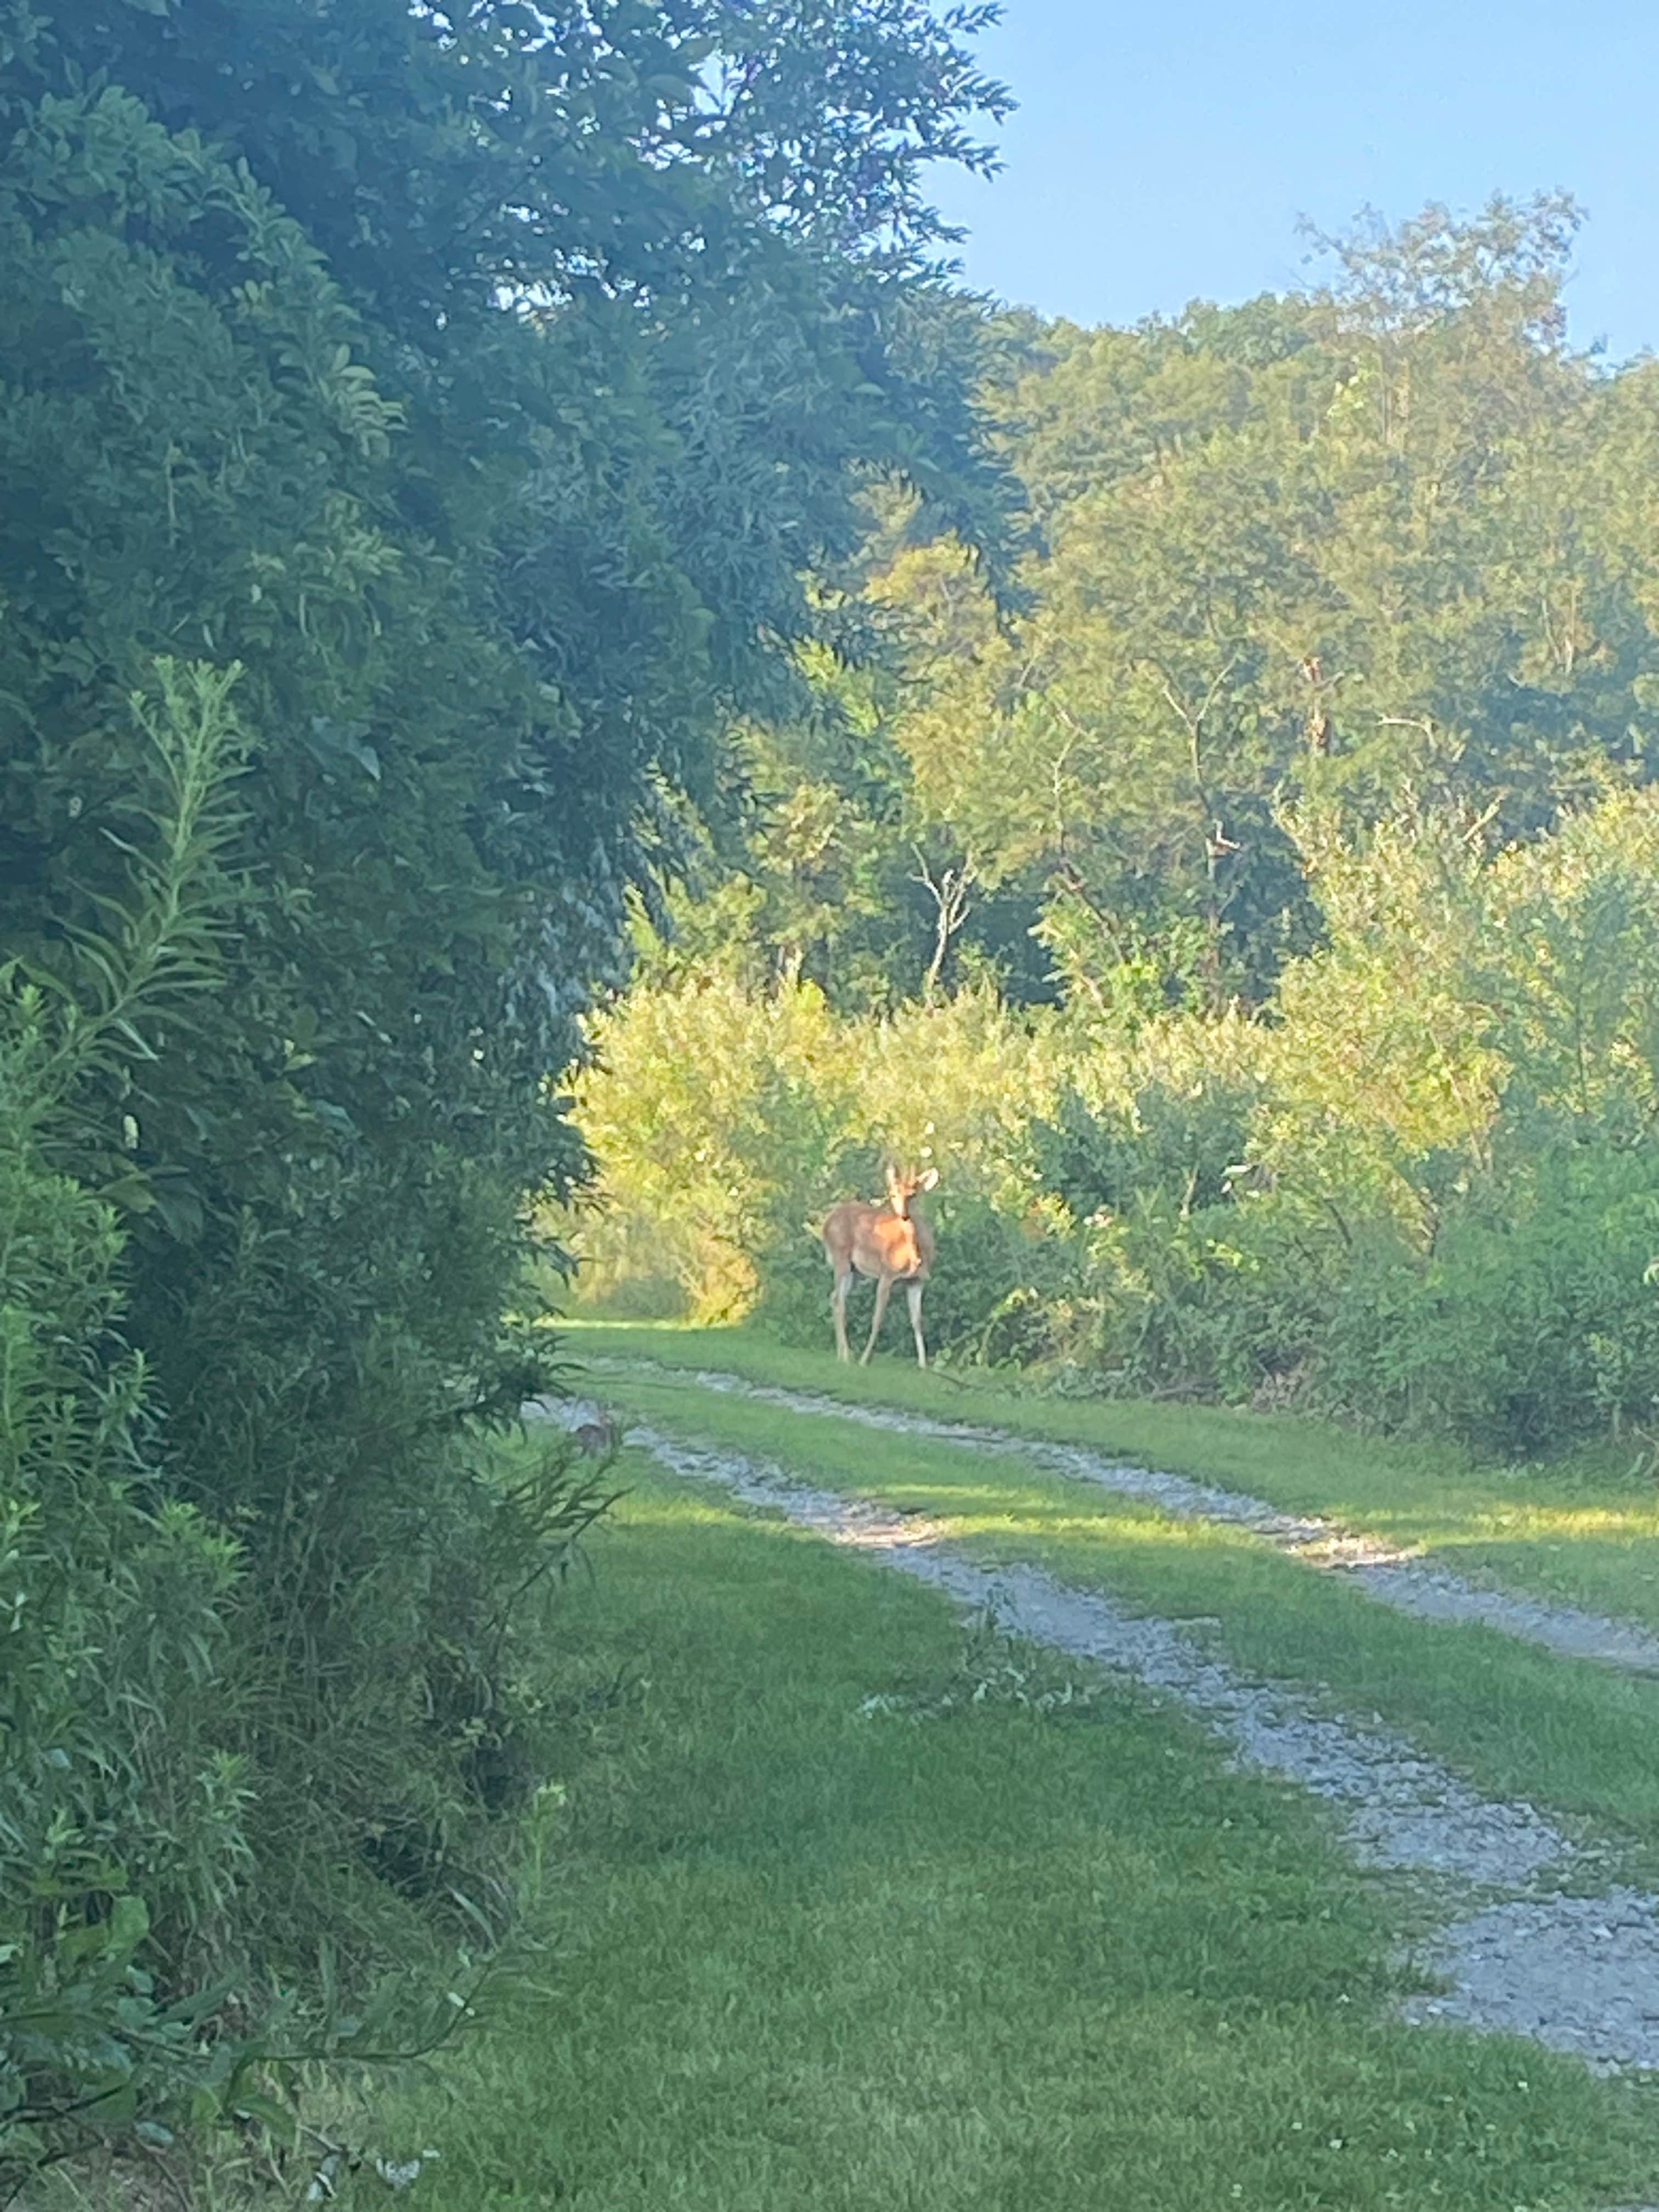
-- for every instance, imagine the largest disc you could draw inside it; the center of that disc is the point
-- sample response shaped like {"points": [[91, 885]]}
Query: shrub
{"points": [[123, 1839], [194, 1736], [1534, 1326], [1420, 1190]]}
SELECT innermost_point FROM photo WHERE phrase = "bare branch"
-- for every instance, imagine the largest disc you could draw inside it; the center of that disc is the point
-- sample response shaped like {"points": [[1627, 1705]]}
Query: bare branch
{"points": [[949, 896]]}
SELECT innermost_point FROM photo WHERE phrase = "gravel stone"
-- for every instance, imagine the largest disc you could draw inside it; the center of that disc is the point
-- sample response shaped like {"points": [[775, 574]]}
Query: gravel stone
{"points": [[1391, 1576], [1580, 1974]]}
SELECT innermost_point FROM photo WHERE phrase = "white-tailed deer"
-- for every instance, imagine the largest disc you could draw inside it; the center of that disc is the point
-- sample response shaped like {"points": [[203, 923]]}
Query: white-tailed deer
{"points": [[599, 1437], [889, 1243]]}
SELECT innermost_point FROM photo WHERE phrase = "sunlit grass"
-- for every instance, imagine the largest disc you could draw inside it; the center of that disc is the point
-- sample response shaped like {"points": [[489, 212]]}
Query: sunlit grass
{"points": [[987, 1963], [1585, 1532], [1519, 1721]]}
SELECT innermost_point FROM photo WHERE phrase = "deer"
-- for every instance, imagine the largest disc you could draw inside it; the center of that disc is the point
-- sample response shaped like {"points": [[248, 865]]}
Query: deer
{"points": [[599, 1437], [887, 1242]]}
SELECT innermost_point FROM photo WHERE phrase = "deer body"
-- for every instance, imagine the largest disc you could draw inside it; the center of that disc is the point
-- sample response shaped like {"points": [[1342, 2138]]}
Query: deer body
{"points": [[888, 1244]]}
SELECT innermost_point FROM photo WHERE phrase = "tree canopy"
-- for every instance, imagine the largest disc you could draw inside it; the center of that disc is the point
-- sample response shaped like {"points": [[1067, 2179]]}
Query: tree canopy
{"points": [[1389, 533]]}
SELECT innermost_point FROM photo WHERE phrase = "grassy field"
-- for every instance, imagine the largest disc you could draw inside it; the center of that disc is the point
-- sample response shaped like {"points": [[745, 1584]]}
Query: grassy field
{"points": [[1582, 1533], [800, 1956]]}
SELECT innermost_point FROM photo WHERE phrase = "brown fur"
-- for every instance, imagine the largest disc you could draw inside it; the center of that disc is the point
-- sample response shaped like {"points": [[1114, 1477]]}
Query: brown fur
{"points": [[597, 1438], [888, 1244]]}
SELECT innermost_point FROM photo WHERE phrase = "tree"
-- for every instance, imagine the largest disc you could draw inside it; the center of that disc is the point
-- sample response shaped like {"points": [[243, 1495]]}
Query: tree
{"points": [[483, 388], [1320, 545]]}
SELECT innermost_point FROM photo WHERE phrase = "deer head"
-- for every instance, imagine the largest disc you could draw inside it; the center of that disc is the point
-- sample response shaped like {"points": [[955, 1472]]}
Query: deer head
{"points": [[905, 1184]]}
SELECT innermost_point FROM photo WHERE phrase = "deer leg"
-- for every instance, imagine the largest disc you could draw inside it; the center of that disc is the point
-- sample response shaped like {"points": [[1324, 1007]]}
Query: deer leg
{"points": [[883, 1291], [838, 1307], [912, 1299]]}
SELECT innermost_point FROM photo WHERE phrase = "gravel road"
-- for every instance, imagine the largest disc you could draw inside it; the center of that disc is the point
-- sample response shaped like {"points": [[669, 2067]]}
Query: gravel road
{"points": [[1394, 1578], [1578, 1972]]}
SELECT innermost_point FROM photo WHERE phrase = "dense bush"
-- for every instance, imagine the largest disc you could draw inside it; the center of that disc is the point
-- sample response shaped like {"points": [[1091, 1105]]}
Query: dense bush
{"points": [[1420, 1189], [123, 1797], [1535, 1322], [481, 441]]}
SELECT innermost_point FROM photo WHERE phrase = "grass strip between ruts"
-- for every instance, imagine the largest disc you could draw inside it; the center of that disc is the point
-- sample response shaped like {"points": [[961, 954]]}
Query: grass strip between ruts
{"points": [[1583, 1532], [1518, 1722]]}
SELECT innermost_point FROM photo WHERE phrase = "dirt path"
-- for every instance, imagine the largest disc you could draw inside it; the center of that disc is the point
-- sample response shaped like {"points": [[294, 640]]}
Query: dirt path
{"points": [[1580, 1973], [1403, 1580]]}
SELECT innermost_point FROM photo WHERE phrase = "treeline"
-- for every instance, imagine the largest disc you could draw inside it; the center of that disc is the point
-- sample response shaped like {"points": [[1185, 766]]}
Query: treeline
{"points": [[415, 429], [1248, 897]]}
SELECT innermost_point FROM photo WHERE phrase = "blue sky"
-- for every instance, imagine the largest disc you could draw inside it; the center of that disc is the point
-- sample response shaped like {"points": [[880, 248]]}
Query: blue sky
{"points": [[1163, 155]]}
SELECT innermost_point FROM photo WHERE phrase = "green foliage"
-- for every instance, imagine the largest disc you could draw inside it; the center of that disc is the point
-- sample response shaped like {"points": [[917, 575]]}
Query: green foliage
{"points": [[1311, 552], [1306, 762], [484, 438], [123, 1838], [1420, 1193], [1535, 1324]]}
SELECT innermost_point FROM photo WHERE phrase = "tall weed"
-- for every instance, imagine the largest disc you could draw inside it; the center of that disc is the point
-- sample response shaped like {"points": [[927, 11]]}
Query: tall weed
{"points": [[124, 1843]]}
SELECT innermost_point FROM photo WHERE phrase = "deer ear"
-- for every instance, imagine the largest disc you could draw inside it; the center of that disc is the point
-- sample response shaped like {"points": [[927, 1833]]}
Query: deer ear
{"points": [[929, 1179]]}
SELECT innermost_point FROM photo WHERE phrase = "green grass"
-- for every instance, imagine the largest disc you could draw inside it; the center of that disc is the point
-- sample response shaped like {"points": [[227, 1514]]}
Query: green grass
{"points": [[802, 1959], [1581, 1533], [1518, 1722]]}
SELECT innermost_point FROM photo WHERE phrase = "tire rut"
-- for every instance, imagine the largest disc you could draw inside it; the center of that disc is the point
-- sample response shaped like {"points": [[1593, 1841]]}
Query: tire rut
{"points": [[1389, 1574], [1579, 1974]]}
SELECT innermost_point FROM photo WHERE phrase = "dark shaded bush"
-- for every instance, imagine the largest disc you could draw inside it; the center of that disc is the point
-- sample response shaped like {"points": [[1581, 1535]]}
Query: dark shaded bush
{"points": [[124, 1843], [461, 429]]}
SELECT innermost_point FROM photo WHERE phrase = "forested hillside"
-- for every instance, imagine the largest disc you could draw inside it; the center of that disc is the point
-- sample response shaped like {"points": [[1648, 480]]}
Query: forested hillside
{"points": [[417, 430], [1247, 897]]}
